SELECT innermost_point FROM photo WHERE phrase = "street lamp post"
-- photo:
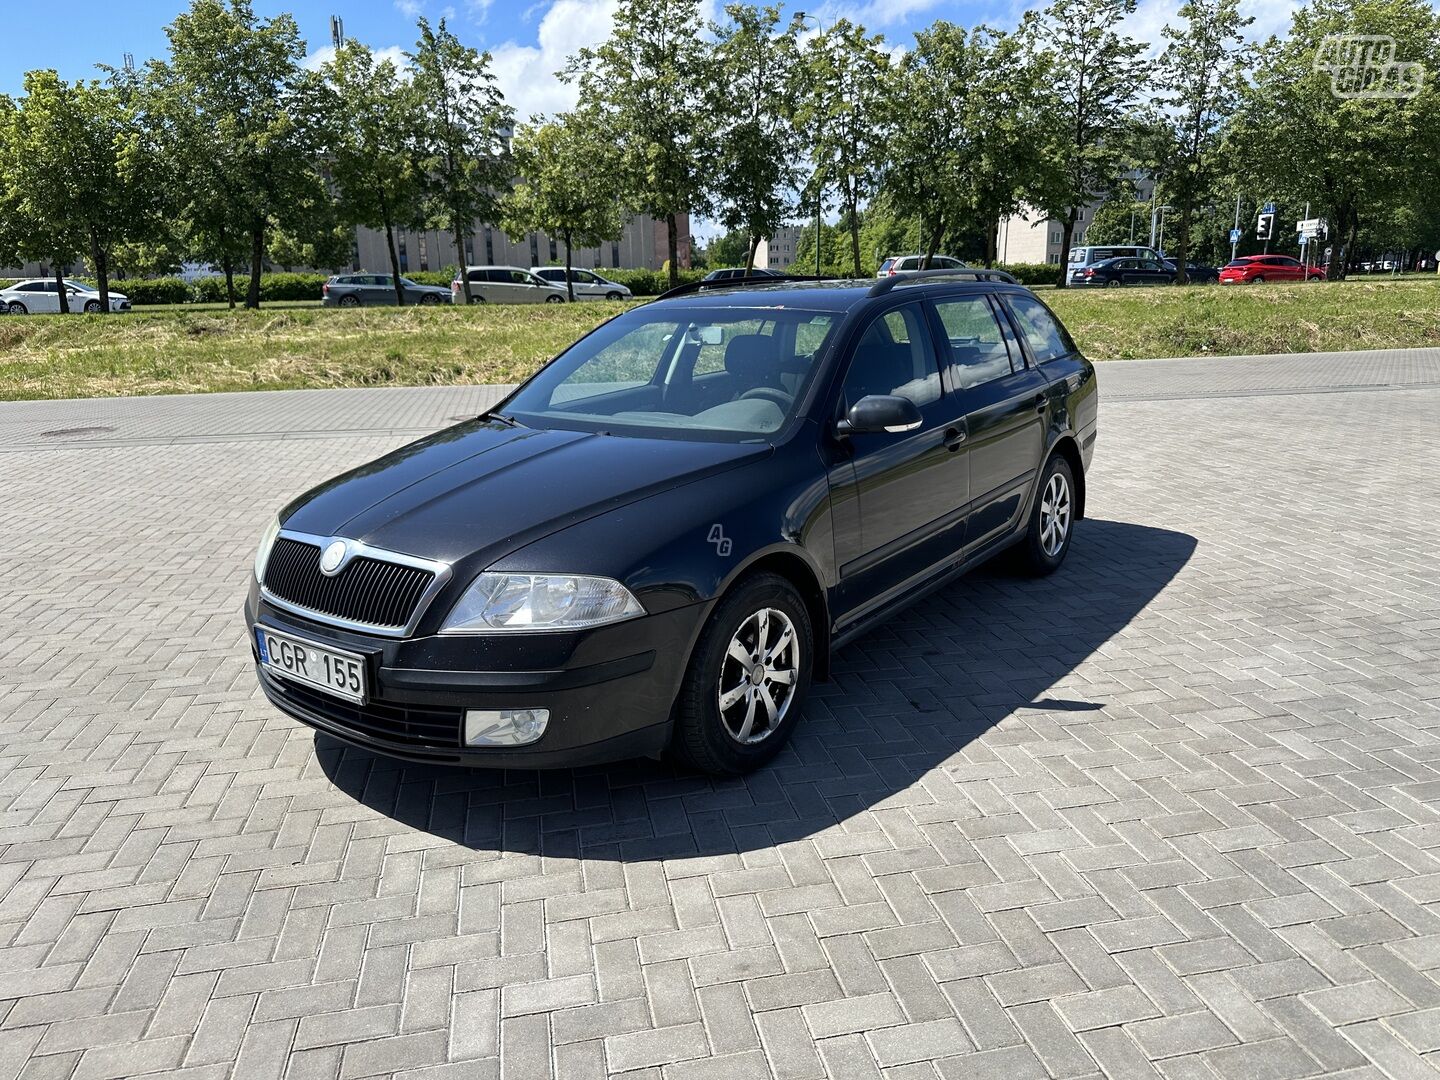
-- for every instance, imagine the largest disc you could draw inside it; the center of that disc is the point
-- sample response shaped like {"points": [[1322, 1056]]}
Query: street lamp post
{"points": [[1157, 210], [820, 185]]}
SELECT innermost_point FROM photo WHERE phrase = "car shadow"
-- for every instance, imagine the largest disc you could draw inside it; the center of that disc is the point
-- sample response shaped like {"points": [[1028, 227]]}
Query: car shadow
{"points": [[905, 699]]}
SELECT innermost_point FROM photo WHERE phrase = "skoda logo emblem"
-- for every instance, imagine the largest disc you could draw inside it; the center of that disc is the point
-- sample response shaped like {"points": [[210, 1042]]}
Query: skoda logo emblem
{"points": [[333, 557]]}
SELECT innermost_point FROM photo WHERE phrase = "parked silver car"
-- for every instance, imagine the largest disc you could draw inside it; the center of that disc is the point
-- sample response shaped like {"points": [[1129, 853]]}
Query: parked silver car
{"points": [[353, 290], [38, 295], [506, 285], [588, 284], [900, 264]]}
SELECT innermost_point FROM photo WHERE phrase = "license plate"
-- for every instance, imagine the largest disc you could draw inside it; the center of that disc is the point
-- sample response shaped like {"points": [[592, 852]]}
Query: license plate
{"points": [[332, 670]]}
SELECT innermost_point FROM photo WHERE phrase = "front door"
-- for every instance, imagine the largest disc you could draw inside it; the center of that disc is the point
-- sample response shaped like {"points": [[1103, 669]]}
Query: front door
{"points": [[899, 498]]}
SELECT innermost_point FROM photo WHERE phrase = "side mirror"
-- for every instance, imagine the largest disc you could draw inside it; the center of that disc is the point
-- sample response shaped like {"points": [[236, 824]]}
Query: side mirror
{"points": [[876, 413]]}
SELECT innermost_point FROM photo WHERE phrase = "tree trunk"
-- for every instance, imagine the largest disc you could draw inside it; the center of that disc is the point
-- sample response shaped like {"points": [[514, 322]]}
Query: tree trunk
{"points": [[60, 284], [932, 245], [394, 263], [230, 281], [569, 281], [464, 270], [257, 256], [672, 241], [102, 270], [853, 211], [754, 242], [1063, 280], [991, 243], [1342, 257]]}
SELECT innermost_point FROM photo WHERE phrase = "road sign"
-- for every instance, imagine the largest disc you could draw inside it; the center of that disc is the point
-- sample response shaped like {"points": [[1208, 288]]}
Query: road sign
{"points": [[1265, 226], [1311, 226], [1269, 208], [1234, 236]]}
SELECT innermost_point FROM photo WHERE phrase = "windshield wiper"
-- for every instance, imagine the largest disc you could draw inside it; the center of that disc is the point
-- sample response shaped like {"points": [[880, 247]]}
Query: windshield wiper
{"points": [[508, 421]]}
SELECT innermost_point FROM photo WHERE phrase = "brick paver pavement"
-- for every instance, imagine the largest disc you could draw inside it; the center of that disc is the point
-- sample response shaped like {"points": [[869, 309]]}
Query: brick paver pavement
{"points": [[1174, 811]]}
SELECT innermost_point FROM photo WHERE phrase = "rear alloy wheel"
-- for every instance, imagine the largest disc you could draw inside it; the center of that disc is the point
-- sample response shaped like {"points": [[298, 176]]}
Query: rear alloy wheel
{"points": [[349, 301], [747, 680], [1258, 279], [554, 299], [1113, 283], [476, 298], [17, 308], [1052, 520]]}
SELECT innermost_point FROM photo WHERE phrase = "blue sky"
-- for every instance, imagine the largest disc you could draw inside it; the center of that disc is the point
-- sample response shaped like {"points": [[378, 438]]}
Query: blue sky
{"points": [[529, 38]]}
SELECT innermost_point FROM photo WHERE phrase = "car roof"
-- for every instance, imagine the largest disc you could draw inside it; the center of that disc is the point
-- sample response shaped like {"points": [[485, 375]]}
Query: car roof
{"points": [[838, 295]]}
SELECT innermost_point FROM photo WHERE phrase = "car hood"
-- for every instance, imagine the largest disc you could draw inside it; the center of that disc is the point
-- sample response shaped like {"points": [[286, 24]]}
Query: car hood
{"points": [[482, 489]]}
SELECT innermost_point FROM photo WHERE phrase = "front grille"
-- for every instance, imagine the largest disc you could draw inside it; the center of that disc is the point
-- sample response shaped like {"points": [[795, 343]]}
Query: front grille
{"points": [[367, 591], [398, 725]]}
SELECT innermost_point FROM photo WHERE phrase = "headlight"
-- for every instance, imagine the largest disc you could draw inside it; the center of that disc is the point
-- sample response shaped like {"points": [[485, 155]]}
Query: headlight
{"points": [[503, 602], [262, 553]]}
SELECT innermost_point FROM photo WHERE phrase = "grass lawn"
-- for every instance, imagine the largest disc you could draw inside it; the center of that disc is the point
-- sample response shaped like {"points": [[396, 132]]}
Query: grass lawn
{"points": [[184, 350]]}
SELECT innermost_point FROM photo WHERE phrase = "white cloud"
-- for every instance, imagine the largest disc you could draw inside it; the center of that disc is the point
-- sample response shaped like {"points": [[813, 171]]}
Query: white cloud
{"points": [[526, 73], [326, 53], [409, 8]]}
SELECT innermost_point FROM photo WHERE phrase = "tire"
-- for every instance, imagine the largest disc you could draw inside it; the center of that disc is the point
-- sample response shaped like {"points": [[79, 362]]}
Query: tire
{"points": [[614, 296], [1258, 279], [554, 299], [476, 298], [92, 307], [429, 299], [349, 301], [1039, 552], [708, 737], [17, 308], [1113, 283]]}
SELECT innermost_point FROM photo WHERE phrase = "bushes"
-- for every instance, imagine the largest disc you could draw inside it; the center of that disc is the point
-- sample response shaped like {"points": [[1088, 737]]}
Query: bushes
{"points": [[165, 290], [1033, 273], [647, 282]]}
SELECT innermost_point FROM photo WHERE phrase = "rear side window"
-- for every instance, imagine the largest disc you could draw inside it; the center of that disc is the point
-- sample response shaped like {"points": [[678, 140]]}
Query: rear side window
{"points": [[1046, 338], [977, 352], [894, 356]]}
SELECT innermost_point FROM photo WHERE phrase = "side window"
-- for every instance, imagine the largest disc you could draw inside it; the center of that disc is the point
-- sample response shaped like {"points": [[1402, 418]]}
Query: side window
{"points": [[894, 356], [1046, 338], [977, 351], [520, 277]]}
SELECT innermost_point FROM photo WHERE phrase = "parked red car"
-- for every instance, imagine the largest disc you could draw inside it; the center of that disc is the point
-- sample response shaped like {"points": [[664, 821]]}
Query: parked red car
{"points": [[1251, 269]]}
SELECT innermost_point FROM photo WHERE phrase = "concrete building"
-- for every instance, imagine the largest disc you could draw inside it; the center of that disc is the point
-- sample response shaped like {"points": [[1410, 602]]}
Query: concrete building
{"points": [[642, 245], [1028, 237], [778, 252]]}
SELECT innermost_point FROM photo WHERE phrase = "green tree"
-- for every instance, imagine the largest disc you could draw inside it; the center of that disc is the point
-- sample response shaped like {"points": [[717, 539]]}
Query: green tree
{"points": [[648, 84], [233, 100], [933, 145], [567, 187], [1094, 70], [755, 167], [464, 158], [841, 84], [1198, 77], [372, 148], [79, 170], [1349, 156], [728, 249]]}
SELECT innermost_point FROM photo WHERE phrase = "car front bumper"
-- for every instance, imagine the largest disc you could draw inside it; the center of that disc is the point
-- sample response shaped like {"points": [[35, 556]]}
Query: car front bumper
{"points": [[609, 690]]}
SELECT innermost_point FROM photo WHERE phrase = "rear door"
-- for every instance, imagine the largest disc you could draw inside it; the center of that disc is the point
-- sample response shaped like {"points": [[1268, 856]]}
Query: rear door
{"points": [[901, 497], [43, 296], [1001, 396]]}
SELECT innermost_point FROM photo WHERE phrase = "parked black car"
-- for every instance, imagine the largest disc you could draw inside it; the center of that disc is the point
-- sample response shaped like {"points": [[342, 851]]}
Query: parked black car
{"points": [[733, 273], [656, 542], [1113, 273], [1197, 273]]}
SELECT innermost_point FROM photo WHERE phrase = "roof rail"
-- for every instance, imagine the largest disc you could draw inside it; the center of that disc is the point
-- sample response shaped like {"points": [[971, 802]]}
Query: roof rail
{"points": [[730, 283], [979, 273]]}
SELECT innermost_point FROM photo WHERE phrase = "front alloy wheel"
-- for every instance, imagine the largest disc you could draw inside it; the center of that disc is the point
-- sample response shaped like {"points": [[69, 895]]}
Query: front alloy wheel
{"points": [[757, 676], [747, 679]]}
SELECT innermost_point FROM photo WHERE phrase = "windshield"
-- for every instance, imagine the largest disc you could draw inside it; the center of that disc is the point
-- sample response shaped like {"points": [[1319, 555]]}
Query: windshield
{"points": [[681, 372]]}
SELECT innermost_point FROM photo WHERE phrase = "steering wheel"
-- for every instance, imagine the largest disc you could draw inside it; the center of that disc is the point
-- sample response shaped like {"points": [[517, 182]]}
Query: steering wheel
{"points": [[768, 393]]}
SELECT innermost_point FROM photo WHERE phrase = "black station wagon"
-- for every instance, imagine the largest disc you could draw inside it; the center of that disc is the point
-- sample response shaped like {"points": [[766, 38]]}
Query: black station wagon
{"points": [[654, 544]]}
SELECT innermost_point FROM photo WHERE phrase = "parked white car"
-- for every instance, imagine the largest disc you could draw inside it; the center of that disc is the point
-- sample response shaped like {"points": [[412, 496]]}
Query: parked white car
{"points": [[506, 285], [588, 284], [40, 295]]}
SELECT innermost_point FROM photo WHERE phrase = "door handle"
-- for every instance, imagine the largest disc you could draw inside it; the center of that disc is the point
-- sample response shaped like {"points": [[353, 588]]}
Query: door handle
{"points": [[1040, 400], [954, 437]]}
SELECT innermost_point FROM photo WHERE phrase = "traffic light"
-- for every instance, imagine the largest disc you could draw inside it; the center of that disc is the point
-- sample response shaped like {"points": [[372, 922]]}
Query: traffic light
{"points": [[1264, 226]]}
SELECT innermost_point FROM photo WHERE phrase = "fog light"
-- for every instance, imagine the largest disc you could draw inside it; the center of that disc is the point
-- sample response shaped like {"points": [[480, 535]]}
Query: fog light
{"points": [[504, 727]]}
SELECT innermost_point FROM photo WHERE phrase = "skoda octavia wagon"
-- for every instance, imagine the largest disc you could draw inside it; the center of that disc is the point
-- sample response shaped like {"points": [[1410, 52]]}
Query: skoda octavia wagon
{"points": [[655, 543]]}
